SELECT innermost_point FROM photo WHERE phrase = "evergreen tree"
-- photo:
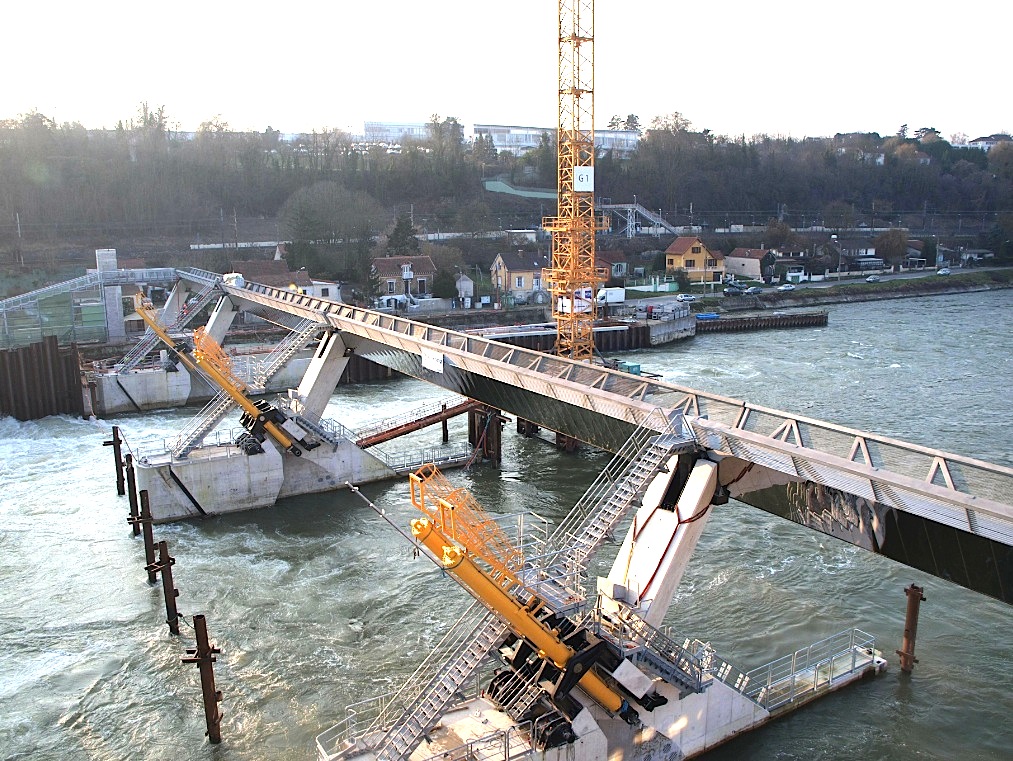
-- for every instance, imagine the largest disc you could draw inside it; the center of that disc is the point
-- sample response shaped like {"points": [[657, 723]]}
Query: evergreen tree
{"points": [[402, 240]]}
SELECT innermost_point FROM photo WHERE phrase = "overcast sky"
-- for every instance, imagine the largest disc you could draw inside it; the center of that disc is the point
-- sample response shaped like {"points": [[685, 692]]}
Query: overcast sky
{"points": [[784, 67]]}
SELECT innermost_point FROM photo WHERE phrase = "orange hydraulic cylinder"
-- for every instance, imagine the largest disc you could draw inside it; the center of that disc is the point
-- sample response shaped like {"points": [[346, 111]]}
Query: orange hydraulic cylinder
{"points": [[474, 579]]}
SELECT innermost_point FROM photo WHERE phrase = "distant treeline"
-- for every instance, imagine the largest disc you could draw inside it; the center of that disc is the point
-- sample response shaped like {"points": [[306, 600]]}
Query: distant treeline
{"points": [[65, 181]]}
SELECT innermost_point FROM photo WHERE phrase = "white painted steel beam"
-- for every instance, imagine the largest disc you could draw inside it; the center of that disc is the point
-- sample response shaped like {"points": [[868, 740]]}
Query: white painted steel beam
{"points": [[954, 490]]}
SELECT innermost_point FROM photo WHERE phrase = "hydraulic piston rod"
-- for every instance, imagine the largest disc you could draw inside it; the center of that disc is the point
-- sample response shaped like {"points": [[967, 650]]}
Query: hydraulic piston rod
{"points": [[456, 561]]}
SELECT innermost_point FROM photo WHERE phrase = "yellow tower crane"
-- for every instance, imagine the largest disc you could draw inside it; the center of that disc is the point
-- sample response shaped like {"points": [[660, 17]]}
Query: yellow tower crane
{"points": [[573, 279]]}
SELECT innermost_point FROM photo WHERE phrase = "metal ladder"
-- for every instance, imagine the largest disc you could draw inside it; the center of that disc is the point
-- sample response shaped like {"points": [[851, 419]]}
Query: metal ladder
{"points": [[202, 424], [614, 492], [215, 411], [288, 347], [429, 692], [149, 339]]}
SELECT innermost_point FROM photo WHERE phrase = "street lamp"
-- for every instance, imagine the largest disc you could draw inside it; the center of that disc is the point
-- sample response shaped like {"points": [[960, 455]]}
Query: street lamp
{"points": [[834, 239]]}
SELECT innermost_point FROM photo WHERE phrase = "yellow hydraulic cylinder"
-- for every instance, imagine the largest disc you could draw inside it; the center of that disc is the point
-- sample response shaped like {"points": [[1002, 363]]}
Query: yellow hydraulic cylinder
{"points": [[222, 381], [519, 618]]}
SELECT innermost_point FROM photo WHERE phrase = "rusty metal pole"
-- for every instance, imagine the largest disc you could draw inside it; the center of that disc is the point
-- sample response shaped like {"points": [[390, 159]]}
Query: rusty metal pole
{"points": [[149, 541], [164, 567], [132, 493], [204, 656], [446, 428], [115, 444], [907, 647]]}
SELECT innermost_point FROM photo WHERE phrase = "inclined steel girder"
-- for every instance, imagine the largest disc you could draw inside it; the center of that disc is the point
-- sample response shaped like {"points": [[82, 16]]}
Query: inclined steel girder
{"points": [[886, 482]]}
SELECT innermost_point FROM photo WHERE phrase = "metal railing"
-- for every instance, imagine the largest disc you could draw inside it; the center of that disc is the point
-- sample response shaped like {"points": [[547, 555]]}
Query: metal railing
{"points": [[221, 439], [405, 462], [417, 413], [811, 669]]}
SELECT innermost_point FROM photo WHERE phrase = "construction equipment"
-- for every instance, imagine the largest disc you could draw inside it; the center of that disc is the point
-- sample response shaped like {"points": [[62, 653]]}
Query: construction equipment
{"points": [[460, 536], [207, 358], [573, 279]]}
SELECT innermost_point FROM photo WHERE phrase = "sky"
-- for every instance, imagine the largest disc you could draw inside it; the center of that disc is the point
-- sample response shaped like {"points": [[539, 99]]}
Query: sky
{"points": [[783, 67]]}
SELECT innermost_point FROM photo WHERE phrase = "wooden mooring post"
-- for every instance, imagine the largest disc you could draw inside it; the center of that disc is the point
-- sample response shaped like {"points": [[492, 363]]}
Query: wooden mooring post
{"points": [[132, 493], [164, 566], [115, 443], [149, 541], [907, 647], [204, 656]]}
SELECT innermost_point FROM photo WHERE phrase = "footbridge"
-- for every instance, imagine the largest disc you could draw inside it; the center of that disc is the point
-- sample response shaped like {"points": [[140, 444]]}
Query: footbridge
{"points": [[945, 514]]}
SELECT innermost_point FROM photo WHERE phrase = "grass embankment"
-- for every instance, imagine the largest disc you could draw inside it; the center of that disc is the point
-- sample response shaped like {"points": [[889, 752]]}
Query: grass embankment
{"points": [[894, 289], [854, 290]]}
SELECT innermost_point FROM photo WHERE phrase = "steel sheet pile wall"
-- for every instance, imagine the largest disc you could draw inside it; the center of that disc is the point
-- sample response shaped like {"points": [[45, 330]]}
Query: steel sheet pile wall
{"points": [[761, 322], [39, 380]]}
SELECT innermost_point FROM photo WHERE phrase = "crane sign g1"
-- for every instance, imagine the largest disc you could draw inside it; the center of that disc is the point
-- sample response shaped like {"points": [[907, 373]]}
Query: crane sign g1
{"points": [[583, 179]]}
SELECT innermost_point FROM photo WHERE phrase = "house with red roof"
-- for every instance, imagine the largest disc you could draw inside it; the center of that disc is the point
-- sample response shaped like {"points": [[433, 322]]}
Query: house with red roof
{"points": [[745, 263], [404, 274], [700, 263]]}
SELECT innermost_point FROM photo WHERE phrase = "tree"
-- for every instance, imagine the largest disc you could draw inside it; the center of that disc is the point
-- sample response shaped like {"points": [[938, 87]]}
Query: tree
{"points": [[402, 240], [444, 286], [891, 246], [838, 215], [632, 123], [682, 279], [616, 122], [777, 234], [673, 122]]}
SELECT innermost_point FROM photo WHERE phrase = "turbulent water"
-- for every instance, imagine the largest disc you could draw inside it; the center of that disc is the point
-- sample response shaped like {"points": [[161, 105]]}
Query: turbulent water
{"points": [[317, 603]]}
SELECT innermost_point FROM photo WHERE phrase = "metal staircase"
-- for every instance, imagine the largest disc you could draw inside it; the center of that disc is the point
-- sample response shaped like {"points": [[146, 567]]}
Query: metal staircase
{"points": [[294, 342], [516, 692], [631, 213], [641, 643], [619, 487], [202, 424], [433, 686], [215, 411], [149, 339], [326, 430]]}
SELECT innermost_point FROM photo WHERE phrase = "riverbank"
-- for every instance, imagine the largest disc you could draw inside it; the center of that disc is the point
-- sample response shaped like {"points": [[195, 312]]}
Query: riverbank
{"points": [[858, 291]]}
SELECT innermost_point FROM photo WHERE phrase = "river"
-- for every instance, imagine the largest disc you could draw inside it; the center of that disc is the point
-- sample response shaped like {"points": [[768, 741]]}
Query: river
{"points": [[317, 603]]}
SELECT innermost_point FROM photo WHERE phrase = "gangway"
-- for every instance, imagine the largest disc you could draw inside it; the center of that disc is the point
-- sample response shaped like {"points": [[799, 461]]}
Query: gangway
{"points": [[413, 420], [821, 475], [631, 213]]}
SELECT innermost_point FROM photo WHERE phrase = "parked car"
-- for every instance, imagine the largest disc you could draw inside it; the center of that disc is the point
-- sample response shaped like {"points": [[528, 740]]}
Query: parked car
{"points": [[872, 279], [786, 287], [733, 290], [754, 290], [685, 297], [943, 271]]}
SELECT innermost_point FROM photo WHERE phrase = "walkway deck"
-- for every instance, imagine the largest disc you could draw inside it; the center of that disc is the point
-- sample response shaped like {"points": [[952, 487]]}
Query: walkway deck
{"points": [[873, 491]]}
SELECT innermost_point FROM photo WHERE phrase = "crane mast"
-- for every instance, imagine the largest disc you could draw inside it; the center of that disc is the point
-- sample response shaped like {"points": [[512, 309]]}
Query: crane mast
{"points": [[573, 278]]}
